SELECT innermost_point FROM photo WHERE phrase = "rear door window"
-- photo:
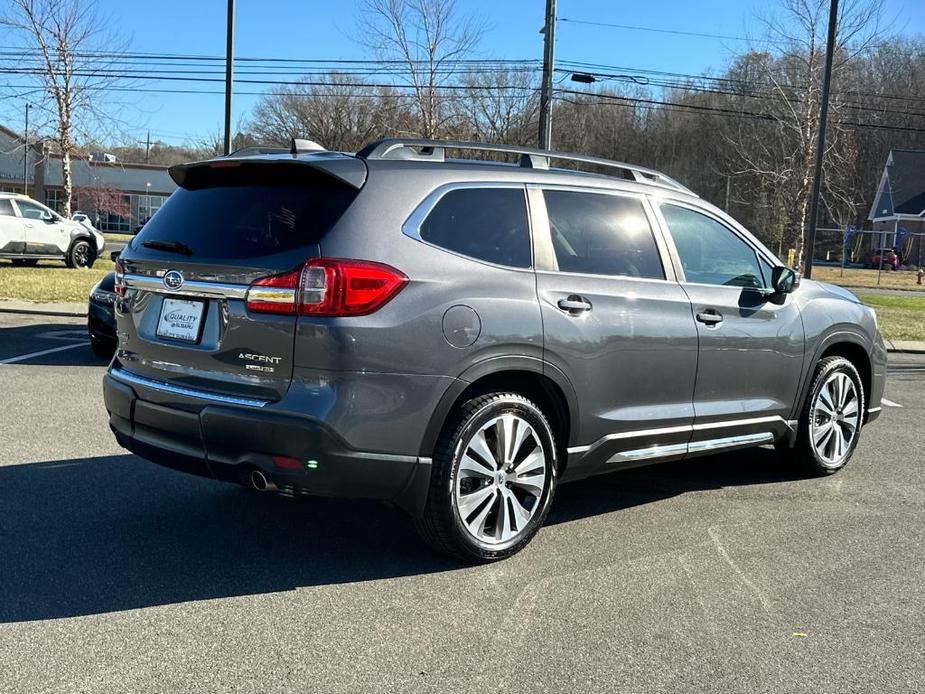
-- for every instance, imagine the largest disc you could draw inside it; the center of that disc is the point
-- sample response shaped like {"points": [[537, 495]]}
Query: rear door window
{"points": [[247, 221], [6, 208], [487, 224], [598, 234]]}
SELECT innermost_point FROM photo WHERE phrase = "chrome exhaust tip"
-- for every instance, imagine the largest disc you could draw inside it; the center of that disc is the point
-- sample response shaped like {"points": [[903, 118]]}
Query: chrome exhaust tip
{"points": [[260, 482]]}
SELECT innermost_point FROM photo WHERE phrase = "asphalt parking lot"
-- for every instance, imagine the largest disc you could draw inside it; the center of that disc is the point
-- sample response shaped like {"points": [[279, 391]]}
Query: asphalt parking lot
{"points": [[720, 574]]}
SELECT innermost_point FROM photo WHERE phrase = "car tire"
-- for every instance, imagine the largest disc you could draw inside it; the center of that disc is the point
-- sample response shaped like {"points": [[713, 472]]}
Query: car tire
{"points": [[833, 415], [478, 509], [25, 262], [102, 347], [80, 255]]}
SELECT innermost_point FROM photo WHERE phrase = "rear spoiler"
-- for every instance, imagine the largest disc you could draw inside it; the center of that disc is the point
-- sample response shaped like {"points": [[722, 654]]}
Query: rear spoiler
{"points": [[271, 170]]}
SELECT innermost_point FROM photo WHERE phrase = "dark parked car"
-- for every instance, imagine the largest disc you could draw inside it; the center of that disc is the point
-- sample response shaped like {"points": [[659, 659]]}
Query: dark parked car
{"points": [[459, 337], [101, 318]]}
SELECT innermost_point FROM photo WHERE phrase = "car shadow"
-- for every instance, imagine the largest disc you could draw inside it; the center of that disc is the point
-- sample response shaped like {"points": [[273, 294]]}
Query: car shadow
{"points": [[37, 338], [97, 535]]}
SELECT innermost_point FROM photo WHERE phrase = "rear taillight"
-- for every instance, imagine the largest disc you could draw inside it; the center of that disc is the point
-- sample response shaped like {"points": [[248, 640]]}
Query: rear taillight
{"points": [[119, 282], [327, 287]]}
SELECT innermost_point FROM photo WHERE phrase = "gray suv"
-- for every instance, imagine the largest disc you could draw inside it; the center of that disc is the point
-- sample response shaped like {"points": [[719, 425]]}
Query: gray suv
{"points": [[458, 336]]}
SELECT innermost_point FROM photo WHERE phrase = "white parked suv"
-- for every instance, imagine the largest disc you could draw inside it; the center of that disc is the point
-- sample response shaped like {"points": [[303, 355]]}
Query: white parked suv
{"points": [[29, 232]]}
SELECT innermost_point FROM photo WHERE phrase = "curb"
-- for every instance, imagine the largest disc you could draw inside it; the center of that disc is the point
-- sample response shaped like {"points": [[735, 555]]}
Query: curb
{"points": [[63, 309], [904, 346]]}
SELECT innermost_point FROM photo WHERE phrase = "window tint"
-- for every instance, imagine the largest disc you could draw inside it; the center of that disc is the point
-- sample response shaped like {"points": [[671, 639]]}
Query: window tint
{"points": [[711, 253], [602, 235], [247, 221], [6, 207], [30, 210], [489, 224]]}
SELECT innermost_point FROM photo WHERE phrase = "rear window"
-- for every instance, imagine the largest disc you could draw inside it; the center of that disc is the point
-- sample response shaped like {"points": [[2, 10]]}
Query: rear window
{"points": [[247, 221], [487, 224]]}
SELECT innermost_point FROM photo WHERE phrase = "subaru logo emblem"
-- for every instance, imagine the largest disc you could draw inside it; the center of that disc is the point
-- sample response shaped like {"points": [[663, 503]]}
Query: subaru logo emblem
{"points": [[173, 279]]}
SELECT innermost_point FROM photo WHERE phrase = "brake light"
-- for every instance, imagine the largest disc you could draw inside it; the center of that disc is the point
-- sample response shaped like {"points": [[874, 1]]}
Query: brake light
{"points": [[119, 282], [327, 287]]}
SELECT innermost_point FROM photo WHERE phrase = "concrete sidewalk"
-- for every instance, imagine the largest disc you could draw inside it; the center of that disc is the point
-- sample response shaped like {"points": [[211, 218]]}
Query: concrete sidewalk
{"points": [[71, 308]]}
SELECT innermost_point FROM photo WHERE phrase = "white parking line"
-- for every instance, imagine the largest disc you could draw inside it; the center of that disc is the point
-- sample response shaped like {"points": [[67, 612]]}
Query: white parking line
{"points": [[889, 403], [24, 357]]}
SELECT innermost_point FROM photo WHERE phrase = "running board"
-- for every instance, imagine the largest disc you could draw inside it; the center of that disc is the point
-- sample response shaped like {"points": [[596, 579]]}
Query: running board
{"points": [[725, 443]]}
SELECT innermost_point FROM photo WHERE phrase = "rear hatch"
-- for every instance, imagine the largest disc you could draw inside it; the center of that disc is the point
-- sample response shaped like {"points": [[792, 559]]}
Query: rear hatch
{"points": [[184, 317]]}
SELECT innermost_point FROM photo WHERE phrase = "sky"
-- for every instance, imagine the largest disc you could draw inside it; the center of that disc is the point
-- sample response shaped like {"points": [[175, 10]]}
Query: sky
{"points": [[326, 29]]}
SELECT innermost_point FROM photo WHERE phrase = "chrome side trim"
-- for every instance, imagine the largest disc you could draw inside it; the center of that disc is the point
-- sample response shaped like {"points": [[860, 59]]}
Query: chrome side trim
{"points": [[871, 410], [730, 442], [636, 433], [648, 453], [738, 423], [134, 379], [631, 435], [208, 290]]}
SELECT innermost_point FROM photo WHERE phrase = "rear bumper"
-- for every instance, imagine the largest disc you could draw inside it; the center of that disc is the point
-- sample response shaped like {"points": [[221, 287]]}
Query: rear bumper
{"points": [[229, 441]]}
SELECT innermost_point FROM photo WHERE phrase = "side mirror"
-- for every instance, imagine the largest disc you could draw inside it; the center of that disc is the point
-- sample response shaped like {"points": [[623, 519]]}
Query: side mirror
{"points": [[114, 256], [784, 280]]}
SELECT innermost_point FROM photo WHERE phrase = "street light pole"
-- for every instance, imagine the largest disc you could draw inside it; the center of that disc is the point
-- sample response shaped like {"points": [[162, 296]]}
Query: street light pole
{"points": [[809, 242], [229, 73], [25, 153], [549, 42]]}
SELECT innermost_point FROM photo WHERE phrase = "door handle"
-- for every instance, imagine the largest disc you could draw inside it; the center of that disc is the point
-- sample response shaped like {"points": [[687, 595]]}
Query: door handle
{"points": [[574, 304], [710, 317]]}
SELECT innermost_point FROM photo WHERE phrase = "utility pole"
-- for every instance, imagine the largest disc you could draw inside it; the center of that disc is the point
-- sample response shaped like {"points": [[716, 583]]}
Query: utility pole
{"points": [[809, 243], [229, 73], [549, 47], [25, 153], [148, 147]]}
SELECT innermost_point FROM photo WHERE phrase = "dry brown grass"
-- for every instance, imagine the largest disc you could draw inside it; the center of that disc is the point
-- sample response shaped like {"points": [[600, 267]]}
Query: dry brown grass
{"points": [[867, 279]]}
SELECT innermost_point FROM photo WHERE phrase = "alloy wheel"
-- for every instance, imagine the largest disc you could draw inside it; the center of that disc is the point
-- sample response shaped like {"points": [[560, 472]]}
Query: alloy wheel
{"points": [[501, 479], [836, 418]]}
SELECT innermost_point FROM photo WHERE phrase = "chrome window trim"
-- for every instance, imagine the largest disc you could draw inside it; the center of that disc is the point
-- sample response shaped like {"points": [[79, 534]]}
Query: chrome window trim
{"points": [[412, 226], [208, 290], [134, 379]]}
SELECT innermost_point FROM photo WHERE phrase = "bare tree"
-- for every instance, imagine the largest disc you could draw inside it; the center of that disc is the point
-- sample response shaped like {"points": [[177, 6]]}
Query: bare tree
{"points": [[71, 58], [499, 105], [778, 150], [426, 38], [339, 111]]}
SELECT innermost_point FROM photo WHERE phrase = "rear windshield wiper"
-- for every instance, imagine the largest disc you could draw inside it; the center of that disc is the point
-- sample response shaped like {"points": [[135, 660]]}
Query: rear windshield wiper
{"points": [[169, 246]]}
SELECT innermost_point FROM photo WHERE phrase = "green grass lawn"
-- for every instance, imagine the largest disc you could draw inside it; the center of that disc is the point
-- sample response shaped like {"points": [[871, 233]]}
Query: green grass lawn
{"points": [[50, 281], [900, 317]]}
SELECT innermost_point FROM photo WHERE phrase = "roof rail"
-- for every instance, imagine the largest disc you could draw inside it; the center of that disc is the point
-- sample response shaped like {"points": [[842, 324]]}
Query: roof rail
{"points": [[435, 150]]}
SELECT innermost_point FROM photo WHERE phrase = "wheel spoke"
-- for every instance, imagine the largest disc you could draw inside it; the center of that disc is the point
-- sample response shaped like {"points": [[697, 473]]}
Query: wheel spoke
{"points": [[482, 449], [532, 463], [851, 407], [477, 524], [826, 398], [471, 467], [847, 390], [532, 484], [839, 442], [503, 529], [521, 515], [822, 406], [523, 431], [821, 434], [470, 502]]}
